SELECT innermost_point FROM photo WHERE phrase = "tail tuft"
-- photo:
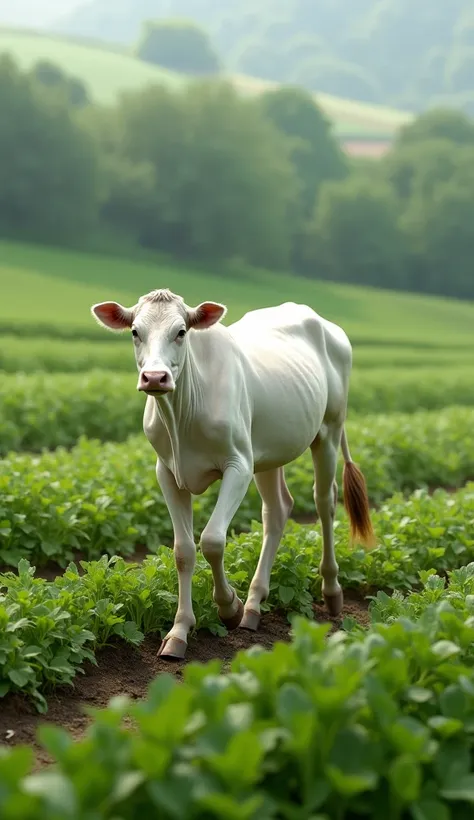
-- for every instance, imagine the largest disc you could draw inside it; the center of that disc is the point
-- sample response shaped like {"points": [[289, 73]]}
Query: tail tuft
{"points": [[356, 502]]}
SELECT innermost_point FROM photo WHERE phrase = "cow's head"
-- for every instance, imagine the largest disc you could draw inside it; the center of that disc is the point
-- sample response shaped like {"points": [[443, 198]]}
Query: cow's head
{"points": [[159, 323]]}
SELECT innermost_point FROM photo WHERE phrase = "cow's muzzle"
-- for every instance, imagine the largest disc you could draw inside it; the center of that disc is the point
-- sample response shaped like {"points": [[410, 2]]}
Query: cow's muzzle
{"points": [[156, 382]]}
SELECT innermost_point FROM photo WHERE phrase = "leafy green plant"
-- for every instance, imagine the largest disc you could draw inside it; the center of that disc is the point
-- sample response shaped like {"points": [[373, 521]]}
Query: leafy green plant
{"points": [[77, 613], [372, 725], [20, 353], [103, 498], [47, 410], [435, 597], [49, 629]]}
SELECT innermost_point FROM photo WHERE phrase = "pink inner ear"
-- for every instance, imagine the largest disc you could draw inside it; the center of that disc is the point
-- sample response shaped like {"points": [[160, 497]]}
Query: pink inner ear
{"points": [[206, 315], [113, 315]]}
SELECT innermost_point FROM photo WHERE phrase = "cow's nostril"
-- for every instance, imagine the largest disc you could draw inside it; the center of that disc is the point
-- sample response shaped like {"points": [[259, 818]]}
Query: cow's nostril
{"points": [[155, 381]]}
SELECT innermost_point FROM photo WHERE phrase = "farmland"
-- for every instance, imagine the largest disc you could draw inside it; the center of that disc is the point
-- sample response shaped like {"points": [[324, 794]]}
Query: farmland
{"points": [[108, 71], [369, 713], [62, 285]]}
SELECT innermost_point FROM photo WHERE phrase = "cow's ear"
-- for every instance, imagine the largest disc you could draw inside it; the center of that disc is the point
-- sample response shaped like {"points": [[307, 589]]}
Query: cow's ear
{"points": [[205, 315], [112, 315]]}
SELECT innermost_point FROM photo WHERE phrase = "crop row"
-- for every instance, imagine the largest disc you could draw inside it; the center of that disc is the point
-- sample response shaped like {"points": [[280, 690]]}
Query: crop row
{"points": [[48, 629], [40, 411], [22, 354], [367, 723], [25, 354], [104, 498]]}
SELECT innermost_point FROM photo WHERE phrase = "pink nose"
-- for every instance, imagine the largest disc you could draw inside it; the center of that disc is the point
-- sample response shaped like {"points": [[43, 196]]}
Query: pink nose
{"points": [[155, 381]]}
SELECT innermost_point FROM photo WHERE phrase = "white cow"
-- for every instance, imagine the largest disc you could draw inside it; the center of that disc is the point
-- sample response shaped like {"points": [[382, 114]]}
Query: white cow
{"points": [[236, 403]]}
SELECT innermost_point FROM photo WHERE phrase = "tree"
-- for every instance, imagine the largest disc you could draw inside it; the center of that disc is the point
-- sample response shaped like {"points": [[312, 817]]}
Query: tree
{"points": [[178, 45], [419, 164], [438, 124], [51, 76], [355, 235], [439, 230], [130, 203], [48, 164], [224, 182], [316, 154], [438, 222]]}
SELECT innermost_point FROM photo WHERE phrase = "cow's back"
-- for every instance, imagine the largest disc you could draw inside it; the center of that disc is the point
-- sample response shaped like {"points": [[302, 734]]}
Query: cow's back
{"points": [[298, 372], [290, 327]]}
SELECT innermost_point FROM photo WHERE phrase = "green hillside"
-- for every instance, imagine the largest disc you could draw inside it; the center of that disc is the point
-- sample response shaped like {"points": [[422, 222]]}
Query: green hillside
{"points": [[107, 71], [53, 290], [391, 52]]}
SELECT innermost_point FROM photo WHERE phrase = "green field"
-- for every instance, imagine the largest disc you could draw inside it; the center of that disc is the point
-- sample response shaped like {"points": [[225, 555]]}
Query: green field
{"points": [[51, 291], [107, 72], [88, 583]]}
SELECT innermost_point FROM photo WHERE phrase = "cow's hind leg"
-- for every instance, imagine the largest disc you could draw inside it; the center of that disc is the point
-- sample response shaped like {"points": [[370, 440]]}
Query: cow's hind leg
{"points": [[277, 504], [324, 452]]}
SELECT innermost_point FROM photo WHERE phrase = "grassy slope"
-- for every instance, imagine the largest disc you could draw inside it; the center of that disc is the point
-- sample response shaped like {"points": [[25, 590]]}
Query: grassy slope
{"points": [[107, 72], [55, 287]]}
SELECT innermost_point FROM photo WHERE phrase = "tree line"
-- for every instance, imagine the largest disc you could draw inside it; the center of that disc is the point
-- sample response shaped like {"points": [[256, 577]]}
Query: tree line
{"points": [[206, 175], [398, 52]]}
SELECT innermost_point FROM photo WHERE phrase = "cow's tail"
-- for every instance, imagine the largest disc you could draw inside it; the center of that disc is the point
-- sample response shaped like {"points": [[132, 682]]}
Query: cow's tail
{"points": [[356, 499]]}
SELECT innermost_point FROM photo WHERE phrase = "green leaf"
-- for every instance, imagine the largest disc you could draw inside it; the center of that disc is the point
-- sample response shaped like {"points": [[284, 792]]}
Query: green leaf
{"points": [[453, 760], [349, 785], [126, 785], [430, 809], [405, 778], [4, 688], [286, 594], [454, 702], [20, 677], [463, 789], [445, 727], [15, 764], [445, 649], [418, 694], [31, 651], [14, 626], [239, 765], [226, 807], [55, 789], [353, 761], [292, 700], [318, 793], [55, 740], [409, 735], [130, 632], [170, 795]]}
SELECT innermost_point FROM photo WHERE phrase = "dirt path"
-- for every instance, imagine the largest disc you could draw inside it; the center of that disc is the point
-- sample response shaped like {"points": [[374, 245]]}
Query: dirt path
{"points": [[124, 669]]}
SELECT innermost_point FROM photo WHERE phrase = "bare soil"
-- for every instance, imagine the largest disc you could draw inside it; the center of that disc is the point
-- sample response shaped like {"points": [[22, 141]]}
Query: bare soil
{"points": [[129, 670]]}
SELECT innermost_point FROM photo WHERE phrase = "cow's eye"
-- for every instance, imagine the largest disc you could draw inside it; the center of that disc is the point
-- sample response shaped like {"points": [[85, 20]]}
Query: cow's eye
{"points": [[182, 334], [134, 333]]}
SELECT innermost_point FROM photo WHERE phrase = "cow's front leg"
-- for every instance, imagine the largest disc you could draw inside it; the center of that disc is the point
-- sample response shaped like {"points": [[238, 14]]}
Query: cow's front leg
{"points": [[235, 483], [179, 504]]}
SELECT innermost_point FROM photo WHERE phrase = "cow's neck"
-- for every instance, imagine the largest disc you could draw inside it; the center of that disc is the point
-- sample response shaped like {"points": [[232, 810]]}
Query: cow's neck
{"points": [[177, 410]]}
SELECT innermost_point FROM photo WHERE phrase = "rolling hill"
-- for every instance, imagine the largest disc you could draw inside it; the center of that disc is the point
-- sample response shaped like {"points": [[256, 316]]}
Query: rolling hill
{"points": [[391, 52], [62, 285], [107, 71]]}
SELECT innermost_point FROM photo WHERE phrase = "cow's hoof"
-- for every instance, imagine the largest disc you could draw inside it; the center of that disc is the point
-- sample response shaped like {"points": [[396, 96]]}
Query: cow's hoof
{"points": [[251, 620], [172, 649], [234, 621], [334, 603]]}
